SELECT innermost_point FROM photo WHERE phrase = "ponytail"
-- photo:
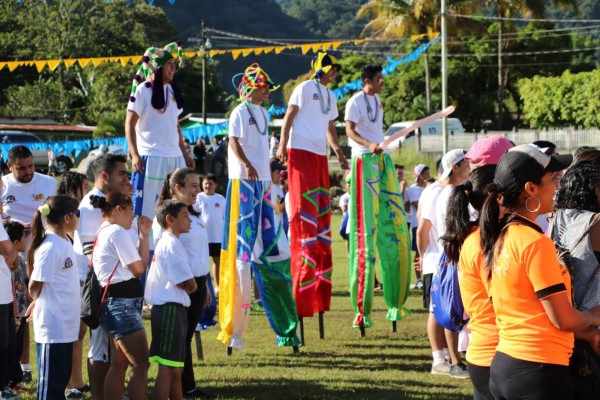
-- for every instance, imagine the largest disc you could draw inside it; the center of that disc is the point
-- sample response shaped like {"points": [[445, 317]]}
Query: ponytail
{"points": [[53, 210], [165, 192], [458, 221]]}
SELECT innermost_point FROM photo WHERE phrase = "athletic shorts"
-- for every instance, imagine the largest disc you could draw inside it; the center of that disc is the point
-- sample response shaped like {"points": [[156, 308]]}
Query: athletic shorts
{"points": [[121, 316], [214, 249], [99, 345], [169, 326], [427, 278]]}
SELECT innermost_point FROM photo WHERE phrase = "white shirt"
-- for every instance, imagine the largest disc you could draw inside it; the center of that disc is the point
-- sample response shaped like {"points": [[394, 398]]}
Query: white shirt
{"points": [[277, 195], [427, 205], [114, 245], [411, 195], [90, 220], [6, 296], [253, 143], [156, 133], [195, 243], [309, 128], [169, 268], [21, 200], [212, 209], [56, 312], [357, 112], [344, 200], [273, 145]]}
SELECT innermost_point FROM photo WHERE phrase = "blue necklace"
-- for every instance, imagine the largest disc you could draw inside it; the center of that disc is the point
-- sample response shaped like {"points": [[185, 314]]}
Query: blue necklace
{"points": [[263, 132], [324, 108], [372, 118]]}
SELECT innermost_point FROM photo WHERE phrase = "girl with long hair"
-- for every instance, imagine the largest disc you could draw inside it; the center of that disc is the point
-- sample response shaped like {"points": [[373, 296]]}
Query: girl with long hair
{"points": [[54, 288], [118, 265], [530, 290]]}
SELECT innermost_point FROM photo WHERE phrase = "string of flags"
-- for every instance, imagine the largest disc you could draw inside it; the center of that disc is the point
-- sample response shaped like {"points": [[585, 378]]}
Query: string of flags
{"points": [[52, 64]]}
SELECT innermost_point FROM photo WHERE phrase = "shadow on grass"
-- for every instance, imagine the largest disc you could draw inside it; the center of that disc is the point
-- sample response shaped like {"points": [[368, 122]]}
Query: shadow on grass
{"points": [[294, 389]]}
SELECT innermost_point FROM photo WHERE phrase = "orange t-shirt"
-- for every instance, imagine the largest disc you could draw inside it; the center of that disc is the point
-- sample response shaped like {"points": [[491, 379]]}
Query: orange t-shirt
{"points": [[525, 272], [475, 292]]}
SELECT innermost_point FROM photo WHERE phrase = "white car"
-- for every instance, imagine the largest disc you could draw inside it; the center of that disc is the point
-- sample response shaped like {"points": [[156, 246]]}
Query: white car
{"points": [[112, 149], [431, 129]]}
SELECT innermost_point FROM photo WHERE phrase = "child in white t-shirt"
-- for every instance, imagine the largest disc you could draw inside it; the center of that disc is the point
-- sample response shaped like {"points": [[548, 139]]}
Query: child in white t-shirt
{"points": [[54, 288], [168, 286], [212, 206]]}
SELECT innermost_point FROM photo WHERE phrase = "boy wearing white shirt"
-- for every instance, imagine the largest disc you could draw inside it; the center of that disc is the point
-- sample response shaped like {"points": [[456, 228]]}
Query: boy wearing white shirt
{"points": [[254, 237], [167, 289], [376, 210]]}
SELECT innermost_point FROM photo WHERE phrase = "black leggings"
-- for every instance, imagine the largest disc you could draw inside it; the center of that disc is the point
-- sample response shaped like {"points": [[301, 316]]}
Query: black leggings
{"points": [[197, 299], [480, 377], [513, 379]]}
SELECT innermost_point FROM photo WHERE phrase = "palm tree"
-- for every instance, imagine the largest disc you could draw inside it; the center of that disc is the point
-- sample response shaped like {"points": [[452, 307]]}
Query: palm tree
{"points": [[393, 19]]}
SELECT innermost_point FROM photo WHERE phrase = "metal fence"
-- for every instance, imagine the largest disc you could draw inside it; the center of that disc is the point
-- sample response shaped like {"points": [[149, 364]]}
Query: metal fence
{"points": [[566, 140]]}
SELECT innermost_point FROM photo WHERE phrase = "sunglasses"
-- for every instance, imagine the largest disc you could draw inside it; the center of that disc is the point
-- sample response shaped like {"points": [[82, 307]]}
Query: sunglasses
{"points": [[76, 212]]}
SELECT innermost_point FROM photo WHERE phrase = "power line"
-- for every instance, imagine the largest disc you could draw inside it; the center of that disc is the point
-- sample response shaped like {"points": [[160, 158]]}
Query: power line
{"points": [[560, 20]]}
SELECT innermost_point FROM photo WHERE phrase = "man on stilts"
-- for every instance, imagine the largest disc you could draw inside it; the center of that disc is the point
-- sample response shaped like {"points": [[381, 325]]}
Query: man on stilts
{"points": [[307, 127], [253, 237], [376, 210]]}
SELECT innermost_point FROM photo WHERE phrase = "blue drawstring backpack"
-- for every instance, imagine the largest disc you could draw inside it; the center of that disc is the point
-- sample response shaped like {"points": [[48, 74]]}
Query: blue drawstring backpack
{"points": [[447, 303]]}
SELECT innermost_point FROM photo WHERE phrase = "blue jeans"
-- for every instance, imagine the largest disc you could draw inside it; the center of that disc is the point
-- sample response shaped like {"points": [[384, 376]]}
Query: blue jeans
{"points": [[121, 316]]}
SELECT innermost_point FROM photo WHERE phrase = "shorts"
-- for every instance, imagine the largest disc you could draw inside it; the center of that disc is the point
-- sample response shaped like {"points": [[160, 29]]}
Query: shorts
{"points": [[7, 326], [214, 249], [99, 345], [414, 240], [427, 278], [169, 326], [121, 316]]}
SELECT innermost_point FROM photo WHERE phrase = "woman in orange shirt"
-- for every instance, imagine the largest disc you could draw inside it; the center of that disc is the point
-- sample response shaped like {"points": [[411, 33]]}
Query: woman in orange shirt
{"points": [[530, 291], [461, 245]]}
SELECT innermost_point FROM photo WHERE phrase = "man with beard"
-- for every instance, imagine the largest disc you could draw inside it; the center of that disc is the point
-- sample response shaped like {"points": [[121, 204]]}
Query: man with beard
{"points": [[24, 190]]}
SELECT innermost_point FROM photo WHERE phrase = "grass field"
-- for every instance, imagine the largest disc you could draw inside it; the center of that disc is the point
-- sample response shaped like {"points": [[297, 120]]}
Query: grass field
{"points": [[382, 365]]}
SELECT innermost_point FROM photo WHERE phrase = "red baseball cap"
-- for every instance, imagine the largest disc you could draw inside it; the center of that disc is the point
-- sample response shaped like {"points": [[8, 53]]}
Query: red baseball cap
{"points": [[488, 150]]}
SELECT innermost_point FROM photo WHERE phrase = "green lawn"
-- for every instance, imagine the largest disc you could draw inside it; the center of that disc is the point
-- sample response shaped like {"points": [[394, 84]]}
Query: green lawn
{"points": [[382, 365]]}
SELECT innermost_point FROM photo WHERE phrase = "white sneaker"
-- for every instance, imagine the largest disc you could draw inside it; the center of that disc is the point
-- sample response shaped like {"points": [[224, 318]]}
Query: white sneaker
{"points": [[441, 368], [419, 284]]}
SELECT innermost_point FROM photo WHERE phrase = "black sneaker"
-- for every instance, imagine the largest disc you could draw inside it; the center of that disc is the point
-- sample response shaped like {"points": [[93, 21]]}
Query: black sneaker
{"points": [[27, 376], [73, 394], [197, 393]]}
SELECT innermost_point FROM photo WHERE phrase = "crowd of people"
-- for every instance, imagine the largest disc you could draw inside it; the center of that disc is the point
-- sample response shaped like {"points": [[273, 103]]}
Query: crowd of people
{"points": [[532, 299]]}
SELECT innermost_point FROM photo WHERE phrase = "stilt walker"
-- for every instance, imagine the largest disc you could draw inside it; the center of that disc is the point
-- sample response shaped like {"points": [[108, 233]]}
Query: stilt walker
{"points": [[307, 127], [253, 235], [376, 210]]}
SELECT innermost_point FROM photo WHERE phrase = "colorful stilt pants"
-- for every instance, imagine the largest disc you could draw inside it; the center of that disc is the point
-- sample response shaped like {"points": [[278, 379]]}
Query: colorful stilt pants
{"points": [[253, 238], [148, 184], [310, 231], [377, 228]]}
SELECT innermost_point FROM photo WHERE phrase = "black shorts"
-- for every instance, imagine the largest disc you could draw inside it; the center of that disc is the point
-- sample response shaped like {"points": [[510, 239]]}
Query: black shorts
{"points": [[169, 326], [214, 249], [427, 290]]}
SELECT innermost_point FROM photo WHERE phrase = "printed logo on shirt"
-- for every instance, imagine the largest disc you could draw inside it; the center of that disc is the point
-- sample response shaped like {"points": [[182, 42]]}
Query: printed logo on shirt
{"points": [[217, 205], [38, 197], [315, 96], [10, 199], [251, 121], [68, 263]]}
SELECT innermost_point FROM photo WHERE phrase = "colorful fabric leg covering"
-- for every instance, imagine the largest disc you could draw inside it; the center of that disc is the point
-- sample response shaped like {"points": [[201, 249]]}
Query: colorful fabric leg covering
{"points": [[310, 231], [148, 184], [254, 238], [377, 220]]}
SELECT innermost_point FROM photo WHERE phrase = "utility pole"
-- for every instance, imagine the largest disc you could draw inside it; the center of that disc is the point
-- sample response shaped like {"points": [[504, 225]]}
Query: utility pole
{"points": [[203, 48], [444, 78]]}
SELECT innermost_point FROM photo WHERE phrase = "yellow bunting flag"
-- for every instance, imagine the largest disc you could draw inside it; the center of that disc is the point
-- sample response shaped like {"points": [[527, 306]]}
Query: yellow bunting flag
{"points": [[235, 54], [190, 54], [69, 62], [279, 49], [40, 65], [305, 48], [136, 59], [2, 65], [52, 64], [335, 45], [12, 65], [213, 53], [124, 60], [97, 61], [84, 61]]}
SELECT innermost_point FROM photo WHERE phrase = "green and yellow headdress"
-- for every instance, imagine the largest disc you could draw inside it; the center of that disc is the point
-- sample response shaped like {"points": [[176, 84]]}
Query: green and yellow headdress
{"points": [[322, 63]]}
